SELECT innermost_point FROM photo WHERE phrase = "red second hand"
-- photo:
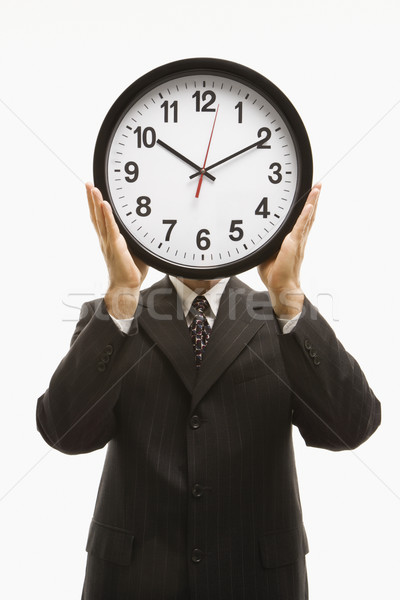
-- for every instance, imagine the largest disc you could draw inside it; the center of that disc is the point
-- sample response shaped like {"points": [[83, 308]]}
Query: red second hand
{"points": [[205, 160]]}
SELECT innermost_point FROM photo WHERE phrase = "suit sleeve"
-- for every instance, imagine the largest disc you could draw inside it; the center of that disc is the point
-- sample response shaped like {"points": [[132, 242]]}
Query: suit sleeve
{"points": [[76, 413], [333, 405]]}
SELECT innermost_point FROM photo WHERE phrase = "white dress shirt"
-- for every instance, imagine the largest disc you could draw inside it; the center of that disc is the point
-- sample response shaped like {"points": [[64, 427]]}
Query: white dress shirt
{"points": [[187, 295]]}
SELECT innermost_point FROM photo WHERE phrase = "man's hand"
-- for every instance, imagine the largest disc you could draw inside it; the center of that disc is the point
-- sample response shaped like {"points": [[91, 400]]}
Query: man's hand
{"points": [[126, 273], [281, 274]]}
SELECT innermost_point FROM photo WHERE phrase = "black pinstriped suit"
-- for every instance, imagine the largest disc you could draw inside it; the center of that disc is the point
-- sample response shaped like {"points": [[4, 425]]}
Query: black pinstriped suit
{"points": [[198, 498]]}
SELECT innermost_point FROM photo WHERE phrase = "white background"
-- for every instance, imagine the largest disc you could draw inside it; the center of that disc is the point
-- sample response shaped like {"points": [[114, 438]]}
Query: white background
{"points": [[62, 65]]}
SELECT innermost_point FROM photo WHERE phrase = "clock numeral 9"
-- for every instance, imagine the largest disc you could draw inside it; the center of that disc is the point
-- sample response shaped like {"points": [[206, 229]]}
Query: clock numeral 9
{"points": [[132, 169], [171, 224], [203, 242], [143, 206], [260, 133], [204, 96], [174, 107], [262, 209], [147, 137], [235, 229], [276, 170]]}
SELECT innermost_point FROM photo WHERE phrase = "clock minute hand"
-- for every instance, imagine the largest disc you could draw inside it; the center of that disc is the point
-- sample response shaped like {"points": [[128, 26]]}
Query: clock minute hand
{"points": [[186, 160], [227, 158]]}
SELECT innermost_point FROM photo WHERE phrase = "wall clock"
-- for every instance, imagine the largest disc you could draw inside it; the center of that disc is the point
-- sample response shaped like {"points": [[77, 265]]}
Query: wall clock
{"points": [[206, 165]]}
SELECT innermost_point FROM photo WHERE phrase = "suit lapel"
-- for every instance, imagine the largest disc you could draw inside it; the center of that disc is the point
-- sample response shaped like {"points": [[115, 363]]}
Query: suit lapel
{"points": [[239, 318], [237, 322], [161, 316]]}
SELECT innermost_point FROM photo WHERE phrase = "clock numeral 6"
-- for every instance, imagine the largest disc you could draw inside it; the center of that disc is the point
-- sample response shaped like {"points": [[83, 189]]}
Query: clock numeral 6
{"points": [[262, 145], [235, 229], [262, 208], [143, 206], [203, 242], [276, 171], [132, 169], [147, 137], [204, 96], [171, 224]]}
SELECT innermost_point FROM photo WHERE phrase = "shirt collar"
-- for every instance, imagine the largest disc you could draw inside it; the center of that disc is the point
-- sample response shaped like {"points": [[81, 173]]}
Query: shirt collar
{"points": [[186, 295]]}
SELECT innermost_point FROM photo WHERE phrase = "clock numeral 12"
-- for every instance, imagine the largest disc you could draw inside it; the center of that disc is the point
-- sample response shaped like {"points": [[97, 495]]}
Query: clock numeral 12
{"points": [[147, 137], [173, 106], [206, 107]]}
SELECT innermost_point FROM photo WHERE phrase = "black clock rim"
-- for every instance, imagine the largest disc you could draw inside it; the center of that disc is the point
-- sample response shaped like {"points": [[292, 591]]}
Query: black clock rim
{"points": [[260, 84]]}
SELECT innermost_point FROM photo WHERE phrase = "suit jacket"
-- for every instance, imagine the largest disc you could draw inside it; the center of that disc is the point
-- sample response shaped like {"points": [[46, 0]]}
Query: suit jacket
{"points": [[199, 498]]}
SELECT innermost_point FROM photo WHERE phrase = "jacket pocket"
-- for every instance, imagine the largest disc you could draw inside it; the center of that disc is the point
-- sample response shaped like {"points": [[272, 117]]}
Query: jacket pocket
{"points": [[284, 547], [110, 543]]}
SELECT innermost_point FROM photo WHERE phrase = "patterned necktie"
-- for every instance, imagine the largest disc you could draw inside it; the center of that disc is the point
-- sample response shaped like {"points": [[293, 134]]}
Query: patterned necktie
{"points": [[200, 329]]}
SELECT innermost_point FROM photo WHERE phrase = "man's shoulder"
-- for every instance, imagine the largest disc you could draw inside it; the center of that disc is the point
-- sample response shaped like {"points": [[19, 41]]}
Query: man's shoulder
{"points": [[240, 286], [243, 299], [161, 284]]}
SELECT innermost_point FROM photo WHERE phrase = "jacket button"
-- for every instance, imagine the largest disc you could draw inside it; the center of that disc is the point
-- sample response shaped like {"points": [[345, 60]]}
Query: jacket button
{"points": [[197, 555], [109, 349], [101, 366], [307, 344], [105, 357], [195, 422], [197, 490], [317, 361], [312, 353]]}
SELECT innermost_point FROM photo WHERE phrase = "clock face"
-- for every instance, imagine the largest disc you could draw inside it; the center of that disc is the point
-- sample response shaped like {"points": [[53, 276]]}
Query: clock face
{"points": [[203, 167]]}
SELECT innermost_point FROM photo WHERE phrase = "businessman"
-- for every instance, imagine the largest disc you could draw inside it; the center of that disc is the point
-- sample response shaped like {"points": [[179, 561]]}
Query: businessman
{"points": [[195, 386]]}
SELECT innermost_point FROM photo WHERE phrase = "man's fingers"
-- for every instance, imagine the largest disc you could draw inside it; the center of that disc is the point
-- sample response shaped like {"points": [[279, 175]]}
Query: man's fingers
{"points": [[143, 268], [110, 224], [298, 230], [317, 190], [313, 200], [99, 215], [90, 200], [307, 215]]}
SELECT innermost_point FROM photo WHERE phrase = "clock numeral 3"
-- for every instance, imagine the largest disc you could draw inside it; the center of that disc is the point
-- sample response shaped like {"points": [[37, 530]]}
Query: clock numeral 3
{"points": [[235, 229], [147, 137], [206, 107], [262, 145], [132, 169], [262, 208], [203, 242], [174, 107], [171, 224], [143, 206], [276, 170]]}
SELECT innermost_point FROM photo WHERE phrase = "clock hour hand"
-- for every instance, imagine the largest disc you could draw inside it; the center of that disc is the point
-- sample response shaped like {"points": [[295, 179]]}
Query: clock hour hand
{"points": [[186, 160], [258, 143]]}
